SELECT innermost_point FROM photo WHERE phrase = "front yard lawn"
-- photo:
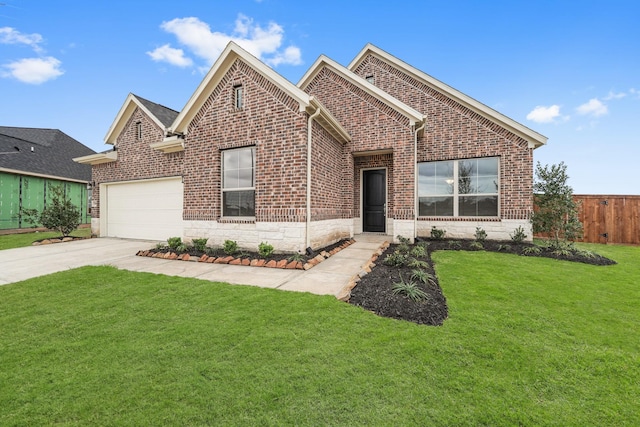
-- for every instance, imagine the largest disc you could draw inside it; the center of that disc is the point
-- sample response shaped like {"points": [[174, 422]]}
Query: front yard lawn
{"points": [[528, 341], [10, 241]]}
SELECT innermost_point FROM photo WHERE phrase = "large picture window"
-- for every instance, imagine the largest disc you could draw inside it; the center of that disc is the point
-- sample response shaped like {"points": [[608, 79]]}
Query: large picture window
{"points": [[238, 182], [465, 188]]}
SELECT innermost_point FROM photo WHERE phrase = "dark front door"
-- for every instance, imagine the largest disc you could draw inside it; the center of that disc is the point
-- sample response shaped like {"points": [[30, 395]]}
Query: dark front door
{"points": [[374, 198]]}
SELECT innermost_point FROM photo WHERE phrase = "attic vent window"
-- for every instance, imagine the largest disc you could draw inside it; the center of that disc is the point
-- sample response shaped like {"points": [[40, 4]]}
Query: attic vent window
{"points": [[139, 130], [238, 97], [370, 79]]}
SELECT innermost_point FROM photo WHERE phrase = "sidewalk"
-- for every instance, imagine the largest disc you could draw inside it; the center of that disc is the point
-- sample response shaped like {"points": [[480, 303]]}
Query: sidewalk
{"points": [[327, 278]]}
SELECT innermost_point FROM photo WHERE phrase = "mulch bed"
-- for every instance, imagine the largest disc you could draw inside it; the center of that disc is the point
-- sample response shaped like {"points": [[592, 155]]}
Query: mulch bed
{"points": [[248, 258], [374, 291]]}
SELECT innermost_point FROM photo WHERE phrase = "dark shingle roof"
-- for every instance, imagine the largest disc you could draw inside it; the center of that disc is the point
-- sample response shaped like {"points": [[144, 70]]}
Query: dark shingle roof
{"points": [[43, 151], [164, 114]]}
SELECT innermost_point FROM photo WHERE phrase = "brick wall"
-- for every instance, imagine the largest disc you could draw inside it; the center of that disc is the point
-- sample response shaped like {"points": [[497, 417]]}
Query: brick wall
{"points": [[136, 160], [454, 132], [373, 125], [269, 120]]}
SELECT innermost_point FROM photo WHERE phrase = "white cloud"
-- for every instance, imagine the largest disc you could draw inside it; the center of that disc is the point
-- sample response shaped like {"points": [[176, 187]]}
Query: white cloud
{"points": [[173, 56], [34, 70], [263, 42], [613, 95], [10, 35], [593, 108], [542, 114]]}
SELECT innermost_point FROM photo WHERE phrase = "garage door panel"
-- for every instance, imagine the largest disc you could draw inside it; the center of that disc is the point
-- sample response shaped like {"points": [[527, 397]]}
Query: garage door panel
{"points": [[145, 209]]}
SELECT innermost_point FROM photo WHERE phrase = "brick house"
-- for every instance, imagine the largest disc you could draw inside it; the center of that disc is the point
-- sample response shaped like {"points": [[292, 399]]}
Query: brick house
{"points": [[377, 146]]}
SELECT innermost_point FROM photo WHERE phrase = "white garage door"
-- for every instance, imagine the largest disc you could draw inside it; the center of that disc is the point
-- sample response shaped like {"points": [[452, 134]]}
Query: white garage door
{"points": [[149, 209]]}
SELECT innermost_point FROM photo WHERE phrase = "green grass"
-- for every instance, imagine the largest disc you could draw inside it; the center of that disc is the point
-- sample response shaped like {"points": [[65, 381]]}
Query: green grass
{"points": [[10, 241], [530, 341]]}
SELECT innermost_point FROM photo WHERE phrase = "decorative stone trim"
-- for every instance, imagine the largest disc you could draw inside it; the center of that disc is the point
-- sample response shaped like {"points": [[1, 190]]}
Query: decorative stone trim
{"points": [[345, 293], [256, 262], [64, 239]]}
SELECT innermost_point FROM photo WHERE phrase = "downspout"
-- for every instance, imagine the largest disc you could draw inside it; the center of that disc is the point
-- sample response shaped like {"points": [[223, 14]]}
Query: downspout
{"points": [[308, 214], [416, 204]]}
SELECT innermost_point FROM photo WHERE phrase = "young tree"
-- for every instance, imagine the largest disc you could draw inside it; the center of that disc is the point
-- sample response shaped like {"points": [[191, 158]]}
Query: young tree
{"points": [[59, 213], [556, 212]]}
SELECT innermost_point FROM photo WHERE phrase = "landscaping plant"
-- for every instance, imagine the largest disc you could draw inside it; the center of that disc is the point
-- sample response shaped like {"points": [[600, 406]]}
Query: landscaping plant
{"points": [[58, 214], [265, 250]]}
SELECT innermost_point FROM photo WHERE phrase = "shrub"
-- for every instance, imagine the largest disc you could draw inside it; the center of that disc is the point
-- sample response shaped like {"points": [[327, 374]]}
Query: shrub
{"points": [[59, 213], [437, 234], [416, 263], [403, 248], [174, 242], [454, 244], [230, 247], [518, 235], [296, 257], [182, 248], [200, 244], [161, 246], [409, 289], [480, 235], [475, 245], [396, 259], [422, 276], [265, 250], [404, 240], [418, 251], [531, 250]]}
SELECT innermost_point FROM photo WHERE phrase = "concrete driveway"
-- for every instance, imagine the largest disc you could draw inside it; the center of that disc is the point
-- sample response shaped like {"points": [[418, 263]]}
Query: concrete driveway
{"points": [[328, 278]]}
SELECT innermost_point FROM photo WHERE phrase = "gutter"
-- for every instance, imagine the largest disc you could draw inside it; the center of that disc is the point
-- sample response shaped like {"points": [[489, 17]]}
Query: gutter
{"points": [[308, 215], [416, 204]]}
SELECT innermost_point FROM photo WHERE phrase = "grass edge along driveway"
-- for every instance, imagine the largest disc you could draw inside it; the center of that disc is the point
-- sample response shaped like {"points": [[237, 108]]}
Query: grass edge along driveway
{"points": [[529, 342]]}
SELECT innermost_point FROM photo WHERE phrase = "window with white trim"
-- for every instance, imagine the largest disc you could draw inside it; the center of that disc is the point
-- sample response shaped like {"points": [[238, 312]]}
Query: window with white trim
{"points": [[238, 182], [459, 188], [238, 97]]}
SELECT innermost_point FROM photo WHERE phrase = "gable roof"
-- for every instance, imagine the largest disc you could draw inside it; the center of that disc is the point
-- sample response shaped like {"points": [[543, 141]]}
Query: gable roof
{"points": [[415, 117], [161, 115], [42, 152], [226, 59], [534, 138]]}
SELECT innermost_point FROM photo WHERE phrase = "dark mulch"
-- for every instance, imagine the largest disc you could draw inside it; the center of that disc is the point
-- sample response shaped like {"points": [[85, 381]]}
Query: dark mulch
{"points": [[374, 291], [242, 254]]}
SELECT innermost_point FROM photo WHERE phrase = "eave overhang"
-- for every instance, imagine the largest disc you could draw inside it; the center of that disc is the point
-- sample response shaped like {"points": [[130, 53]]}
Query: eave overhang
{"points": [[96, 159]]}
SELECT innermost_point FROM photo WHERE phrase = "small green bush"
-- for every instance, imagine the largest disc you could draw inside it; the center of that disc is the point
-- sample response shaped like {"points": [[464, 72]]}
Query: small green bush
{"points": [[298, 257], [518, 235], [409, 289], [396, 259], [422, 276], [161, 246], [531, 250], [404, 240], [480, 235], [182, 248], [200, 244], [230, 247], [416, 263], [174, 242], [418, 251], [476, 245], [403, 248], [265, 250], [454, 244], [437, 234]]}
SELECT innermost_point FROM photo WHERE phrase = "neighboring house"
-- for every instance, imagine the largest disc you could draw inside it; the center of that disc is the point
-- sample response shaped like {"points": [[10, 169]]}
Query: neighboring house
{"points": [[378, 147], [31, 159]]}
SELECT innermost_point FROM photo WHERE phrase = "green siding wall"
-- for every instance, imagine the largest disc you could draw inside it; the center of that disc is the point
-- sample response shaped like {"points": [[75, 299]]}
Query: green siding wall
{"points": [[30, 192]]}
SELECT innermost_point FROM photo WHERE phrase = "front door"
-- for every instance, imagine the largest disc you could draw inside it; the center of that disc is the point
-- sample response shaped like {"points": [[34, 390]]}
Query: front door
{"points": [[374, 200]]}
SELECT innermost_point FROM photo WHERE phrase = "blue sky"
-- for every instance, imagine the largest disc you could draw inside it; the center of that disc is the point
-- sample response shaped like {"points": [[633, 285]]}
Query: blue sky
{"points": [[569, 70]]}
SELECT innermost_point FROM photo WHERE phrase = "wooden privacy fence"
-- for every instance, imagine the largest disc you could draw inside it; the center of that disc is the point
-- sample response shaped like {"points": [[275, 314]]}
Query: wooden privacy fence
{"points": [[610, 219]]}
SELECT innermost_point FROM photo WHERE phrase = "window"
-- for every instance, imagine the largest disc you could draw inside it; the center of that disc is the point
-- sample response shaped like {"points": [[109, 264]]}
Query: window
{"points": [[370, 79], [465, 188], [238, 97], [238, 182], [139, 130]]}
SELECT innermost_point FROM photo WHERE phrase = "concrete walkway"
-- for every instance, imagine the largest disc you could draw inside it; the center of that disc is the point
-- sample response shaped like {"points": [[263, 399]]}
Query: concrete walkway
{"points": [[327, 278]]}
